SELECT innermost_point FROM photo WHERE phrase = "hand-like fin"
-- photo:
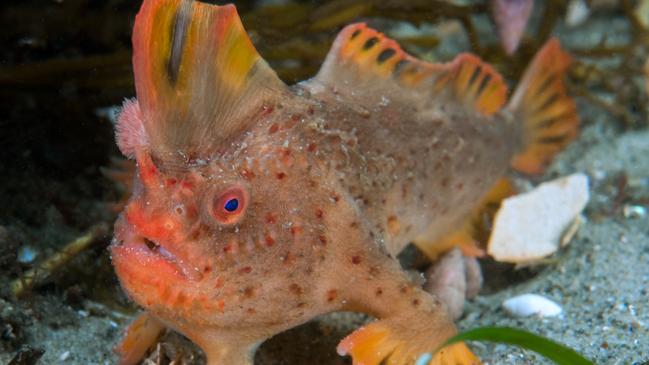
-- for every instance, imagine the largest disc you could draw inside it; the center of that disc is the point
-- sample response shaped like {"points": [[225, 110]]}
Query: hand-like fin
{"points": [[199, 79]]}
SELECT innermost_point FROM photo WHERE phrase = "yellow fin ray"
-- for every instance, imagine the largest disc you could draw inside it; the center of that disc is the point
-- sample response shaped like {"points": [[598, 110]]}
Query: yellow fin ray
{"points": [[198, 77]]}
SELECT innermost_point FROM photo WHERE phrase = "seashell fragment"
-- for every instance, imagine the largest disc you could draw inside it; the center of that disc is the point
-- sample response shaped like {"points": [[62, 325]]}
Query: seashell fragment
{"points": [[530, 226], [526, 305]]}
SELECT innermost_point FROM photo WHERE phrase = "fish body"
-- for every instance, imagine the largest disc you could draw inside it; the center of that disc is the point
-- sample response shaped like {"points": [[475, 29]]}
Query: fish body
{"points": [[258, 206]]}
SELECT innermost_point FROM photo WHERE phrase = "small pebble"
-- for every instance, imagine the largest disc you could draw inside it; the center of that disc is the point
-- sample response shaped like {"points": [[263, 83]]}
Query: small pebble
{"points": [[526, 305], [634, 211], [64, 356], [577, 13], [27, 254]]}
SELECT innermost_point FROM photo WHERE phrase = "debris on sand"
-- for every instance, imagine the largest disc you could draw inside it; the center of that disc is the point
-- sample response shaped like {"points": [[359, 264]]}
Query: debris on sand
{"points": [[526, 305], [530, 226]]}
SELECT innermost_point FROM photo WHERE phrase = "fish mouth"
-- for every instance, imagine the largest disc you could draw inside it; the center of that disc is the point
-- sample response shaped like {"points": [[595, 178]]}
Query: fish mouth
{"points": [[131, 252]]}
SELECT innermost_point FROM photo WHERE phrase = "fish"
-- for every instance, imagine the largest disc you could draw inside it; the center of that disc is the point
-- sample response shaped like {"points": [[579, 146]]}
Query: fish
{"points": [[257, 206]]}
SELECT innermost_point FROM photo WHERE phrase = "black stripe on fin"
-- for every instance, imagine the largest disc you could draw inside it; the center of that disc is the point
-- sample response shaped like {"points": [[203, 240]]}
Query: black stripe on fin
{"points": [[178, 31], [385, 55], [370, 43]]}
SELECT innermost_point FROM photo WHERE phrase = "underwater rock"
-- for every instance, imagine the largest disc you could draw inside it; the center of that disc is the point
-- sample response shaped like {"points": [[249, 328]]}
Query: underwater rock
{"points": [[530, 226]]}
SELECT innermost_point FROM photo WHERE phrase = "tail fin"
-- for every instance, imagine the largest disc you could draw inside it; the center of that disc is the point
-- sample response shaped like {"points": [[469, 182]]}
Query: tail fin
{"points": [[548, 114]]}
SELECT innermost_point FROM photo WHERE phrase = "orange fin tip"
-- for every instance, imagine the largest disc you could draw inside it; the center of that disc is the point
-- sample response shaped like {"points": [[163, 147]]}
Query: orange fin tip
{"points": [[379, 343]]}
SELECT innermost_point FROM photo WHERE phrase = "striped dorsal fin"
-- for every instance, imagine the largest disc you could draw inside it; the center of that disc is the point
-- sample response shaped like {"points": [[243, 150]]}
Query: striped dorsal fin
{"points": [[198, 77], [362, 58]]}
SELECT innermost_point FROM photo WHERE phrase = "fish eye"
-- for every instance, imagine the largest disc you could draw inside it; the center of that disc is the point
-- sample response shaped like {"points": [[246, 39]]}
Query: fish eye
{"points": [[228, 206], [231, 205]]}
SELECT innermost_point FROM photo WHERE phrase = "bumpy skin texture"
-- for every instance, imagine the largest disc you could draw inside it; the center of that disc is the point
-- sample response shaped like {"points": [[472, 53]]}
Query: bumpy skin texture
{"points": [[315, 237], [332, 178]]}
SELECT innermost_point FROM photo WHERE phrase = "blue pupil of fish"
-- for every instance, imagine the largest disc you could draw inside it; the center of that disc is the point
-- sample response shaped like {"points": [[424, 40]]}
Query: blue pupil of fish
{"points": [[231, 205]]}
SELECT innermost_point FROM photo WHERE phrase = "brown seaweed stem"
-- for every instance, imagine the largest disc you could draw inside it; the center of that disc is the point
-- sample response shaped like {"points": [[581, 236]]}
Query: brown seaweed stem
{"points": [[50, 265], [597, 52], [553, 11], [610, 108]]}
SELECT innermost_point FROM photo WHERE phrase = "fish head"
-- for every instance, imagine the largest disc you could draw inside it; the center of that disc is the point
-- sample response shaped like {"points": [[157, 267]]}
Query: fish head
{"points": [[215, 237]]}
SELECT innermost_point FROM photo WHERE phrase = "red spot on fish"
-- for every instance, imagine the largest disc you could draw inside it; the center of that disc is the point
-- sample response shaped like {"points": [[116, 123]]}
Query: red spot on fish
{"points": [[286, 157], [280, 175], [319, 213], [310, 111], [248, 292], [170, 182], [147, 168], [247, 174], [228, 248], [378, 292], [323, 239], [311, 147], [187, 185], [269, 240], [218, 283], [288, 258], [295, 289], [273, 128], [220, 305], [356, 260], [293, 121], [404, 288], [180, 299], [331, 295], [270, 218], [266, 110], [245, 270], [295, 230]]}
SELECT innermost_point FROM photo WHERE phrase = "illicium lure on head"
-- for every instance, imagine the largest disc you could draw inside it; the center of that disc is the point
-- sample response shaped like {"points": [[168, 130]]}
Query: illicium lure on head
{"points": [[258, 206]]}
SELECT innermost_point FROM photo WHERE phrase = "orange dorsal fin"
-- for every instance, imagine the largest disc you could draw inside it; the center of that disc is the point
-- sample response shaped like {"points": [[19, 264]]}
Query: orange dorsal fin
{"points": [[372, 65], [542, 104], [198, 77], [475, 83]]}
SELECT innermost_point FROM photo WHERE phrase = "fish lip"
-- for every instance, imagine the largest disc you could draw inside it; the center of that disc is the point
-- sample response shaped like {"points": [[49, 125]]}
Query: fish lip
{"points": [[143, 250]]}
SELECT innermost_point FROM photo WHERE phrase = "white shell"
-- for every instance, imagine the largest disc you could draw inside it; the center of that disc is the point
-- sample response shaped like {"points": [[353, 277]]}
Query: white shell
{"points": [[526, 305], [529, 226]]}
